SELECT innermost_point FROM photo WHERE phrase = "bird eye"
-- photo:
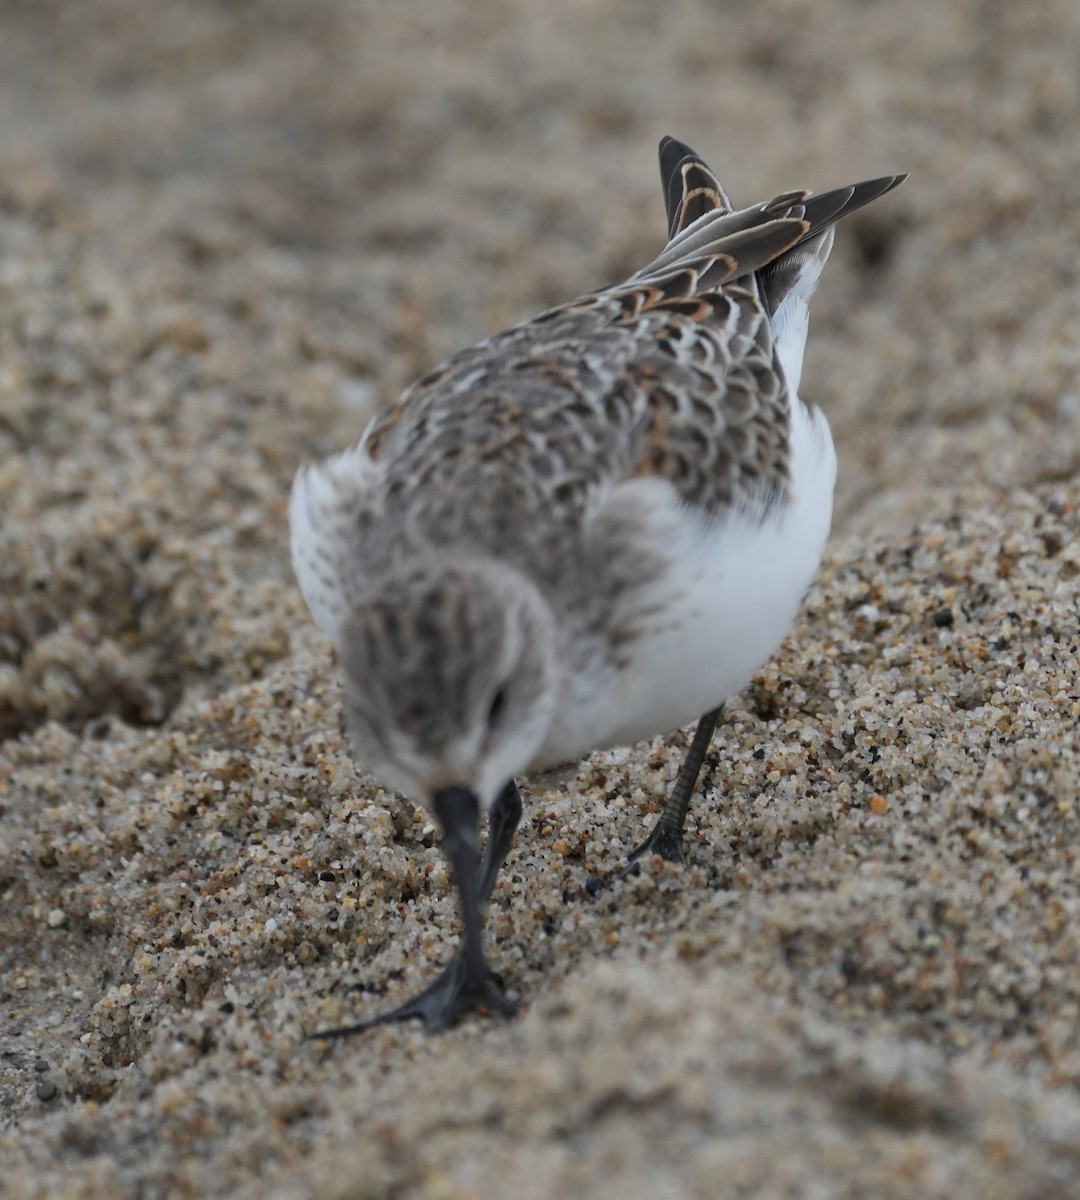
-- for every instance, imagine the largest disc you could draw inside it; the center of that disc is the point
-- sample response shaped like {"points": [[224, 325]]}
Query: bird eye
{"points": [[495, 709]]}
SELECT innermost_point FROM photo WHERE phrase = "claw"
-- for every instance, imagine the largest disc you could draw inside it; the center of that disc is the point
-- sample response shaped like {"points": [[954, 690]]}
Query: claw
{"points": [[663, 841]]}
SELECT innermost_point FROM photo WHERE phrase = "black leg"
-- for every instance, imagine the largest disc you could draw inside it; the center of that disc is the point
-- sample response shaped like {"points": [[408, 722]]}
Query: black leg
{"points": [[502, 825], [465, 982], [666, 838]]}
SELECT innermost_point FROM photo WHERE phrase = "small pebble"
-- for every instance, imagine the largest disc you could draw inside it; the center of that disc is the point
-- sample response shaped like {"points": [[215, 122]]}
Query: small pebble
{"points": [[943, 618], [41, 1065], [46, 1090], [56, 918]]}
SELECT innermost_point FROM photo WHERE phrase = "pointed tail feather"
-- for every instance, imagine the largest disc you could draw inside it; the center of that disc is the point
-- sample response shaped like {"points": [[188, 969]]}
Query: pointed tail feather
{"points": [[690, 189], [719, 244], [801, 266], [830, 207]]}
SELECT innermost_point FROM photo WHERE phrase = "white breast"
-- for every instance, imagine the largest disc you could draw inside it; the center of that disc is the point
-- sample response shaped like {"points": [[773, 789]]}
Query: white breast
{"points": [[720, 611]]}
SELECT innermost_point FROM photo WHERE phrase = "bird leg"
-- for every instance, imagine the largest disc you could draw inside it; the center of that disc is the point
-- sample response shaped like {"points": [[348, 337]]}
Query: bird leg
{"points": [[666, 838], [465, 982]]}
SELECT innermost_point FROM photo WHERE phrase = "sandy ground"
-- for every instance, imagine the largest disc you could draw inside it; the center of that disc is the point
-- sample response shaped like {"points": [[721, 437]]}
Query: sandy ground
{"points": [[227, 233]]}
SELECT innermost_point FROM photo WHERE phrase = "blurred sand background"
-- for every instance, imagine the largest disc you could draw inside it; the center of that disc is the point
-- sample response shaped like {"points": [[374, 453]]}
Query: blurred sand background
{"points": [[228, 232]]}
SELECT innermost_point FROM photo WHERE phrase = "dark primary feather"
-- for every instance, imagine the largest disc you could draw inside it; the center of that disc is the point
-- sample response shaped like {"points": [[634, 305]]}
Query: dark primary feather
{"points": [[690, 188]]}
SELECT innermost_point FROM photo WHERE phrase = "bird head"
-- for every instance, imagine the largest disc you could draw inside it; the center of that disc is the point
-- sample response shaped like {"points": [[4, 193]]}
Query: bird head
{"points": [[450, 676]]}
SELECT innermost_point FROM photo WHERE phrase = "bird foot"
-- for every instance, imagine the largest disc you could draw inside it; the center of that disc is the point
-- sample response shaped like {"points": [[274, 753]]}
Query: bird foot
{"points": [[446, 999], [664, 841]]}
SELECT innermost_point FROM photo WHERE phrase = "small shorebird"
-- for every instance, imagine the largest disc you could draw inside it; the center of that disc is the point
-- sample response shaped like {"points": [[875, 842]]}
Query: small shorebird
{"points": [[587, 530]]}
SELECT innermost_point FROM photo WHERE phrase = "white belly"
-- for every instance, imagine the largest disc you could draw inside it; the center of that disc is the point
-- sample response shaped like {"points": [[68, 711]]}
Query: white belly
{"points": [[719, 612]]}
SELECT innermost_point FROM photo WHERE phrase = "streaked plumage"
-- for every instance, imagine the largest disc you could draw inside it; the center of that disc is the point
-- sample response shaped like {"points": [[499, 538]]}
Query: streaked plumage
{"points": [[590, 528]]}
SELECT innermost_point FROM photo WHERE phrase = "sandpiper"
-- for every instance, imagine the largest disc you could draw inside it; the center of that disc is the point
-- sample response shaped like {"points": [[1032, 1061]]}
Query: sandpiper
{"points": [[587, 530]]}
